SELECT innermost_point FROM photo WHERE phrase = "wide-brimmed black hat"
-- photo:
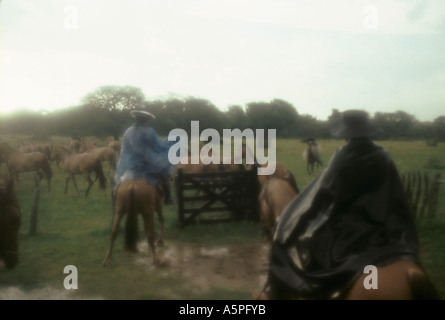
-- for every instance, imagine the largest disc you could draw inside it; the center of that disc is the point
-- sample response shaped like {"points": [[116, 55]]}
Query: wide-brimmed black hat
{"points": [[354, 124], [141, 114]]}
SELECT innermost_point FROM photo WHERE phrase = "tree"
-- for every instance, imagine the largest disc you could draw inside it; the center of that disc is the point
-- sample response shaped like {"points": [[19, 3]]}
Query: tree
{"points": [[398, 124], [439, 128], [277, 114], [208, 115], [236, 117], [110, 104], [113, 98]]}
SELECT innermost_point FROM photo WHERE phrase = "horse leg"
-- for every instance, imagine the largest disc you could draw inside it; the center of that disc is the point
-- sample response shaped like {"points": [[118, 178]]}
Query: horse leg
{"points": [[75, 184], [149, 223], [90, 183], [66, 184], [160, 241], [40, 174], [159, 200], [114, 231]]}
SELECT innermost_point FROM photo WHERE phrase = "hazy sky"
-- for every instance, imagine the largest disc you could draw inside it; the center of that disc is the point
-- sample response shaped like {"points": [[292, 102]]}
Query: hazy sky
{"points": [[318, 55]]}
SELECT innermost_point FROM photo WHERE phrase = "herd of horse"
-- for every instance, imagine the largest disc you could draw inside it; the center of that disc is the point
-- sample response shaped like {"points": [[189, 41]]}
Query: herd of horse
{"points": [[135, 197]]}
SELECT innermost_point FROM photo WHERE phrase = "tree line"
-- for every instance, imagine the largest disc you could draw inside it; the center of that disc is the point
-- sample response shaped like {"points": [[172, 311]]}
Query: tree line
{"points": [[106, 112]]}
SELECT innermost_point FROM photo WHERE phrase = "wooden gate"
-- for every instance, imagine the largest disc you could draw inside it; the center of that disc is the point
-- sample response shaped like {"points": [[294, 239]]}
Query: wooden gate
{"points": [[216, 196]]}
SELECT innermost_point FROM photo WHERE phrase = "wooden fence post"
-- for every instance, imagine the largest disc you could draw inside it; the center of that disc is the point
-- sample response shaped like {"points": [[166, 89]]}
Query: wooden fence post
{"points": [[425, 196], [434, 194], [35, 207], [419, 190], [180, 195]]}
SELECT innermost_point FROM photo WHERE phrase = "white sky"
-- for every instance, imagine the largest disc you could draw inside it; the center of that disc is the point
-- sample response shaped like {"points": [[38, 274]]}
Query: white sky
{"points": [[315, 54]]}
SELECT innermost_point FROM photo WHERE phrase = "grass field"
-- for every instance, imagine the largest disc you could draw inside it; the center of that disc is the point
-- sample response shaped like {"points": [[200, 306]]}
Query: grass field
{"points": [[74, 230]]}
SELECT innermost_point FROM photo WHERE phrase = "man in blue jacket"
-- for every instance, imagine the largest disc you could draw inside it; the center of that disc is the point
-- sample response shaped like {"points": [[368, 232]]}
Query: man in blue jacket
{"points": [[143, 153]]}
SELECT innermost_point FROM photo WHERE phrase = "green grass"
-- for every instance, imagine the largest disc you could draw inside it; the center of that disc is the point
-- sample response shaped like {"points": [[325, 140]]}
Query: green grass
{"points": [[74, 230]]}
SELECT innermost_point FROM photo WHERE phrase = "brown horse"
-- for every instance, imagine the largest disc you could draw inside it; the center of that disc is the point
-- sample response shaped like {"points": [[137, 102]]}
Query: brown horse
{"points": [[44, 148], [115, 144], [18, 162], [312, 155], [9, 223], [275, 195], [80, 163], [75, 145], [399, 280], [103, 153], [133, 197]]}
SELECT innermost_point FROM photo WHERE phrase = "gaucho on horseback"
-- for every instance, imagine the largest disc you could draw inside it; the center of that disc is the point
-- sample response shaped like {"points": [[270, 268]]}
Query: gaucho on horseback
{"points": [[354, 214], [143, 153], [142, 167]]}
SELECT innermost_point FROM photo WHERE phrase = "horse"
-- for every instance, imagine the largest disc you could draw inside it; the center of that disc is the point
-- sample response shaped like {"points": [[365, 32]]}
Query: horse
{"points": [[80, 163], [115, 144], [18, 162], [275, 195], [103, 153], [281, 172], [133, 197], [10, 218], [312, 155], [75, 145], [399, 280]]}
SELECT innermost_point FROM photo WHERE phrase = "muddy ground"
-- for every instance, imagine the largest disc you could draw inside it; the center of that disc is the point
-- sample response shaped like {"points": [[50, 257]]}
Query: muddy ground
{"points": [[231, 267]]}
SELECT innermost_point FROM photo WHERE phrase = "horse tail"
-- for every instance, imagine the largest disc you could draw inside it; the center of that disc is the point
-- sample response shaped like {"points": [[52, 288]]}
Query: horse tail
{"points": [[421, 286], [131, 225], [100, 174], [47, 169]]}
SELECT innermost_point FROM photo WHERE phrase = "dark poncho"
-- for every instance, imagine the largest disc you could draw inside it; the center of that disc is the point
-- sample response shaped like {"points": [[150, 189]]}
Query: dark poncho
{"points": [[353, 214]]}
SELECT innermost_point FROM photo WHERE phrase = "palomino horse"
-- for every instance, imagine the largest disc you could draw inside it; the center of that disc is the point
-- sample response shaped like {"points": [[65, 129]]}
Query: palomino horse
{"points": [[9, 223], [399, 280], [133, 197], [275, 195], [80, 163], [103, 153], [18, 162], [281, 172], [312, 155]]}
